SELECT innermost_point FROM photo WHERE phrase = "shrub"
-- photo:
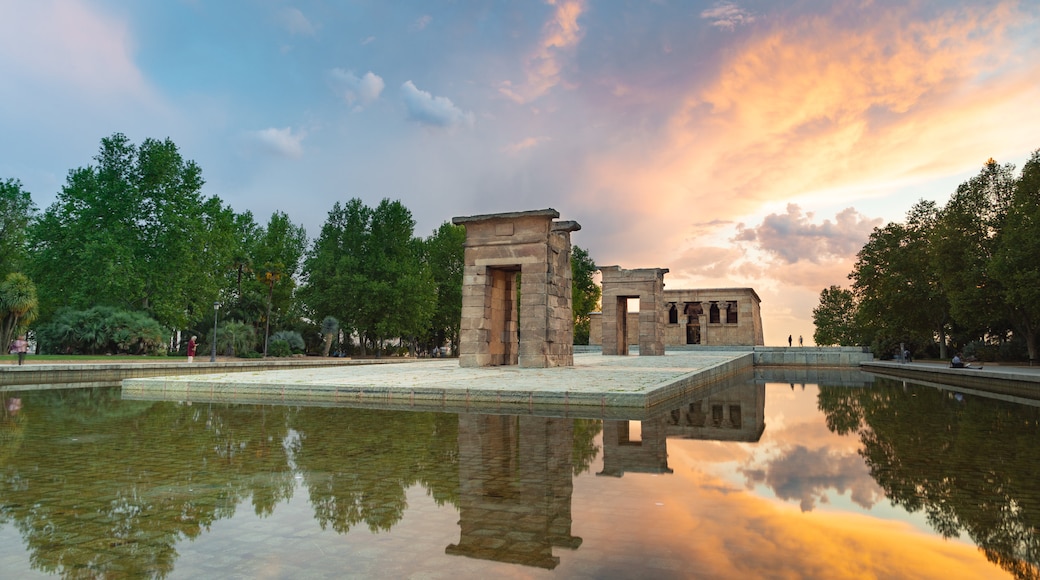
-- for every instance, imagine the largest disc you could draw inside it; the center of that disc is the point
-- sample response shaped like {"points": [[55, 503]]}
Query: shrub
{"points": [[293, 338], [279, 347]]}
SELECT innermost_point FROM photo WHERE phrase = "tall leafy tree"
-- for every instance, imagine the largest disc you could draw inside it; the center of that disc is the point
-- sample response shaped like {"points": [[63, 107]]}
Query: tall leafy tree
{"points": [[274, 256], [899, 293], [1015, 265], [964, 240], [585, 293], [335, 282], [401, 302], [445, 256], [835, 318], [366, 270], [141, 234], [16, 213]]}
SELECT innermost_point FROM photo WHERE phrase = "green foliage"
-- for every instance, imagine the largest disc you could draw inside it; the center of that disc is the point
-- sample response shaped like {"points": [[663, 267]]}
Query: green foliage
{"points": [[143, 237], [365, 269], [835, 318], [18, 306], [16, 213], [585, 293], [444, 254], [102, 330], [968, 464], [1015, 266], [236, 338], [290, 337], [279, 348], [966, 272]]}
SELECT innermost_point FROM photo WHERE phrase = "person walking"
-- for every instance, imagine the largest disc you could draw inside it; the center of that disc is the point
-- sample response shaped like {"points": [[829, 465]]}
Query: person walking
{"points": [[192, 345], [800, 340], [20, 346], [790, 341]]}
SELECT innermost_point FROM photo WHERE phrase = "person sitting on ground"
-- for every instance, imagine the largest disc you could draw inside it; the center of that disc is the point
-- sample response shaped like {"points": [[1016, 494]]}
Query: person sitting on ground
{"points": [[958, 363]]}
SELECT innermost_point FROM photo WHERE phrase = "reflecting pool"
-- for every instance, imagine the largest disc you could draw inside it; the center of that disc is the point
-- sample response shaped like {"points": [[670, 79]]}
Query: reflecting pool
{"points": [[747, 481]]}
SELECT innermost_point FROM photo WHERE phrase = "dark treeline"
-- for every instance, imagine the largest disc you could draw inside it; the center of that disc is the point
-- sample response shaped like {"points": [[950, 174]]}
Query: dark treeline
{"points": [[134, 235], [965, 276]]}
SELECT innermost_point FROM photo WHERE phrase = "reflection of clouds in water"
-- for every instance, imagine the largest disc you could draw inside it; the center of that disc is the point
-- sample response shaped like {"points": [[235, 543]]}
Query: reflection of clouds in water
{"points": [[807, 475]]}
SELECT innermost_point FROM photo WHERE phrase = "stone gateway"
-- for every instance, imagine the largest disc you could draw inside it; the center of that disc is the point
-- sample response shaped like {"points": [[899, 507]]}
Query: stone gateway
{"points": [[509, 255]]}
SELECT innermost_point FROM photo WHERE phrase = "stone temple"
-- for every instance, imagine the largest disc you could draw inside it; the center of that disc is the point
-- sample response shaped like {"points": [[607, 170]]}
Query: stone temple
{"points": [[516, 300], [704, 316], [516, 290]]}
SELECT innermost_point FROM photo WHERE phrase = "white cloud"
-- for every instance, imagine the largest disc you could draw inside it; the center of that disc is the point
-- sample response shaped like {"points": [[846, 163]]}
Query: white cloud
{"points": [[792, 236], [430, 110], [356, 90], [295, 22], [727, 15], [422, 22], [281, 142]]}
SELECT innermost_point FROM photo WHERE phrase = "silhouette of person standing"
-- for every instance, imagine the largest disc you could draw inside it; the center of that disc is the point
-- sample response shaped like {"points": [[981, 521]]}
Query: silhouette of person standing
{"points": [[790, 341]]}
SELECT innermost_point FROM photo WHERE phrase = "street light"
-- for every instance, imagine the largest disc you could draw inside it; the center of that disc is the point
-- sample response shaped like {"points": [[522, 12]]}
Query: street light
{"points": [[213, 353]]}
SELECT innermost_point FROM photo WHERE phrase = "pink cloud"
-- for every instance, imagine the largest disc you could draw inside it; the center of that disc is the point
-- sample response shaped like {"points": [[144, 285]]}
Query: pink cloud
{"points": [[70, 43]]}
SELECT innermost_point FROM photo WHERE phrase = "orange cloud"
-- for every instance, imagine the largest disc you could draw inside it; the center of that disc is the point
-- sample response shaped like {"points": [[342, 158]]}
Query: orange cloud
{"points": [[690, 524], [543, 66]]}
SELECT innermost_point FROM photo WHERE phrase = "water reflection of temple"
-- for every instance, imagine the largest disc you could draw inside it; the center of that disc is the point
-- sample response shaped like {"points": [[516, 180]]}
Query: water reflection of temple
{"points": [[515, 489], [733, 414]]}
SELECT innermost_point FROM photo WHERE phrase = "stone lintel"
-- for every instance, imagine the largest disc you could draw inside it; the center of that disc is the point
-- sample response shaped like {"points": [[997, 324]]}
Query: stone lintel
{"points": [[548, 212]]}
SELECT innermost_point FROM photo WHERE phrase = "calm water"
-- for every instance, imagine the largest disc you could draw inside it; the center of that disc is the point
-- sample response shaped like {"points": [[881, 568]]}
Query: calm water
{"points": [[775, 481]]}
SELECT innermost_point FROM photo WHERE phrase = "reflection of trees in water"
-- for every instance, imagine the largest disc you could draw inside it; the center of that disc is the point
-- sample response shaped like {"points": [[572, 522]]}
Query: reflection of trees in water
{"points": [[971, 464], [585, 448], [358, 463], [104, 487], [98, 486]]}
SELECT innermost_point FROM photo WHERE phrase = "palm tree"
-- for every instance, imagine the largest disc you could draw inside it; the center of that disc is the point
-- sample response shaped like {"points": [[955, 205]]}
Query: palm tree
{"points": [[329, 328], [18, 306]]}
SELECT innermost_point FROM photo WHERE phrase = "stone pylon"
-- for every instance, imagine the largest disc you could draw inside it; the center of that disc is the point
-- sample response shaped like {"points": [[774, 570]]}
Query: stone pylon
{"points": [[509, 255]]}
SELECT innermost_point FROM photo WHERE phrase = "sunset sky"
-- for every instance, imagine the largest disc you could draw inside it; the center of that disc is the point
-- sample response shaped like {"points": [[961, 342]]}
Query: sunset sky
{"points": [[749, 143]]}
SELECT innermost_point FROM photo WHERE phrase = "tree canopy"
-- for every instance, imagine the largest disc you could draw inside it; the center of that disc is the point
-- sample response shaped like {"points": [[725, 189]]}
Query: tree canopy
{"points": [[959, 274], [134, 232], [585, 293]]}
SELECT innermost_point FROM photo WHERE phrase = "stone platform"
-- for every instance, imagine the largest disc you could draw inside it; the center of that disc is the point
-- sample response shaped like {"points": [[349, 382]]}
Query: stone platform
{"points": [[596, 386]]}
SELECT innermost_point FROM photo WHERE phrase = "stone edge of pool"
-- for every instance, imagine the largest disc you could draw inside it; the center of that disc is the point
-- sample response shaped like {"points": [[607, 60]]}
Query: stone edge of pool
{"points": [[596, 387]]}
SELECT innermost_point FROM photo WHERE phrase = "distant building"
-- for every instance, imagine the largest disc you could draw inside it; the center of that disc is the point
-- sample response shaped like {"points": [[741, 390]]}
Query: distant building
{"points": [[708, 316]]}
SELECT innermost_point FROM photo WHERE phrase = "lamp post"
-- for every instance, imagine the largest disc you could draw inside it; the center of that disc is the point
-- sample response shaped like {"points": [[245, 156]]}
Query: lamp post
{"points": [[213, 353]]}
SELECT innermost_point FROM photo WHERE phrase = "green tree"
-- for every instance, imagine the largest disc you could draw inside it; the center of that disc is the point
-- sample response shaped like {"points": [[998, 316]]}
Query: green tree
{"points": [[964, 240], [835, 318], [898, 292], [142, 235], [585, 293], [402, 302], [1015, 265], [16, 213], [18, 306], [335, 282], [445, 256], [366, 269], [277, 255]]}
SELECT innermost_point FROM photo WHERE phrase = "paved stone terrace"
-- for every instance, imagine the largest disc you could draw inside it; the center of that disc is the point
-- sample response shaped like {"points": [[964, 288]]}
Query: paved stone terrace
{"points": [[593, 385]]}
